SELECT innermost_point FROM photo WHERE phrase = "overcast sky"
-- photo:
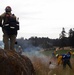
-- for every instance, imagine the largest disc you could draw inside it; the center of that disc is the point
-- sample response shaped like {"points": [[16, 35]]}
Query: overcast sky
{"points": [[41, 18]]}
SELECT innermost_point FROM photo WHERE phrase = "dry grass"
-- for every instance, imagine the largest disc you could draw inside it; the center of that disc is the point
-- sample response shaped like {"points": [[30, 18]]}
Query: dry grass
{"points": [[42, 68]]}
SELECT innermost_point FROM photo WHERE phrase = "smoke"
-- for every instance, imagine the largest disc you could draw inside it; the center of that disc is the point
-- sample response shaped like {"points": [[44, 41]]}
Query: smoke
{"points": [[35, 52], [32, 48]]}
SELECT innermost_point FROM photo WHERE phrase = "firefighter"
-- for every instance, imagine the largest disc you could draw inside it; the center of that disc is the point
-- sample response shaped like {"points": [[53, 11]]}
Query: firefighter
{"points": [[20, 50], [59, 59], [64, 59], [9, 26]]}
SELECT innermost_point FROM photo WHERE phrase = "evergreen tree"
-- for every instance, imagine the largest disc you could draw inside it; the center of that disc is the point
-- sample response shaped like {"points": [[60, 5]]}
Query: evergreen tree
{"points": [[63, 38], [71, 37]]}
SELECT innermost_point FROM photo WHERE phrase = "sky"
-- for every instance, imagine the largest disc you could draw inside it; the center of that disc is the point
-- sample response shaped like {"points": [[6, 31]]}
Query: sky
{"points": [[41, 18]]}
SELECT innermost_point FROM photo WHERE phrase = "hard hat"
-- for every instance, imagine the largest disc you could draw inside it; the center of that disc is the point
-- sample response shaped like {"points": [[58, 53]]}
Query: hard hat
{"points": [[73, 53], [8, 9], [19, 46], [57, 55]]}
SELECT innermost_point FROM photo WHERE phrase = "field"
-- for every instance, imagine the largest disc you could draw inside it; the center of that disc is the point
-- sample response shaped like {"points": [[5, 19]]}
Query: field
{"points": [[41, 64]]}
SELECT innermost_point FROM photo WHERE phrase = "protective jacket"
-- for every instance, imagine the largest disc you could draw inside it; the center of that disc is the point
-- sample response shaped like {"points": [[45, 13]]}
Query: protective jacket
{"points": [[9, 23], [63, 58], [59, 59]]}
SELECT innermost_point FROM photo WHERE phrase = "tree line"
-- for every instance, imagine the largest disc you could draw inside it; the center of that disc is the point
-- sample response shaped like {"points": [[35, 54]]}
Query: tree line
{"points": [[45, 42]]}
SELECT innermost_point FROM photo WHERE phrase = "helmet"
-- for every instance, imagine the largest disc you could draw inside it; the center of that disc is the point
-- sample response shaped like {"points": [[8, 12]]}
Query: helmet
{"points": [[57, 55], [8, 9], [19, 46]]}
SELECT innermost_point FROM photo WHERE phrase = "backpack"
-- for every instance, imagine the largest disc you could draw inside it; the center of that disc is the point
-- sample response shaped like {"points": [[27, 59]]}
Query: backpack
{"points": [[11, 25]]}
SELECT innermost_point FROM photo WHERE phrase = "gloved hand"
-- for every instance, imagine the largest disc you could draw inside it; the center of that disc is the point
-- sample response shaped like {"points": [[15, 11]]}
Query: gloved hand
{"points": [[1, 25]]}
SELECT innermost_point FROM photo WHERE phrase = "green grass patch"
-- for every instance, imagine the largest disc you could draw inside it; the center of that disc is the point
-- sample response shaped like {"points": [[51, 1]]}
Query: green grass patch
{"points": [[48, 53]]}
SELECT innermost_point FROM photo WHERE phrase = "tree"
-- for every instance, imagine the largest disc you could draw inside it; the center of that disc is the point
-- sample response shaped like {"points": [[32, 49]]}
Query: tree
{"points": [[71, 37], [63, 38]]}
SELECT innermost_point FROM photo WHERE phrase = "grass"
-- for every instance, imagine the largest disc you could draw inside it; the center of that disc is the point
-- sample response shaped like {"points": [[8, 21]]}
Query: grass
{"points": [[49, 53], [42, 67]]}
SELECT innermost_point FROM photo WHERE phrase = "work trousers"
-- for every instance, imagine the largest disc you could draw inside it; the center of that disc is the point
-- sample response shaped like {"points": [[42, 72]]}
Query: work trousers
{"points": [[67, 62], [9, 41]]}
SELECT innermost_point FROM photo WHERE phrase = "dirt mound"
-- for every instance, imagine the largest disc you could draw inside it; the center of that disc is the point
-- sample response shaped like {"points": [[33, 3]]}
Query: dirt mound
{"points": [[11, 63]]}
